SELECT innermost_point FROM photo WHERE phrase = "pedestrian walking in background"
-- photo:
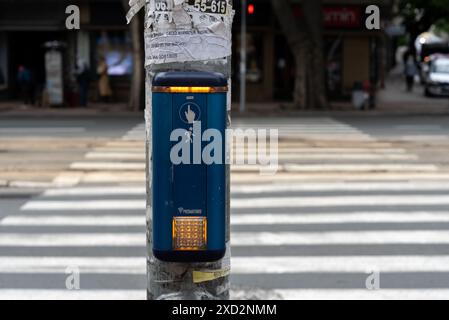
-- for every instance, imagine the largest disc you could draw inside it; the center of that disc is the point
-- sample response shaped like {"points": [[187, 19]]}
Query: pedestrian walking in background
{"points": [[83, 79], [104, 88], [25, 81], [2, 81], [410, 73]]}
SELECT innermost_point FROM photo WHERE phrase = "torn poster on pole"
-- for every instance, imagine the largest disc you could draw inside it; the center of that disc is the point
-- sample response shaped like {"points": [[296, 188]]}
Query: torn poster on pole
{"points": [[186, 30]]}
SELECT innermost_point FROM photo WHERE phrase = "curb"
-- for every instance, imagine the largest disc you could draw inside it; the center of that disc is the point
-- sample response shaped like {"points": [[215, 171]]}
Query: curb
{"points": [[343, 113], [50, 114], [46, 113], [28, 184]]}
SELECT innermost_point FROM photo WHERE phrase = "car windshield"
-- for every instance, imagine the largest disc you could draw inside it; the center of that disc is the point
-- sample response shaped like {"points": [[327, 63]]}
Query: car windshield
{"points": [[440, 66]]}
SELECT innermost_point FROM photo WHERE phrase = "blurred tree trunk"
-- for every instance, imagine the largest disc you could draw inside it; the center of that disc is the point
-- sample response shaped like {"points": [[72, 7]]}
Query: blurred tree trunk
{"points": [[305, 38], [313, 16], [136, 28], [297, 43]]}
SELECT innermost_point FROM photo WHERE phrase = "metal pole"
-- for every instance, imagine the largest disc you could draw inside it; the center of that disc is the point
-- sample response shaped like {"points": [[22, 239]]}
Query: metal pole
{"points": [[183, 281], [243, 59]]}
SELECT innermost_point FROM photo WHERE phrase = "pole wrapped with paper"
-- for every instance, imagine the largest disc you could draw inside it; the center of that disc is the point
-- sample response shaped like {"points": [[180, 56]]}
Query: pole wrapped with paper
{"points": [[185, 36]]}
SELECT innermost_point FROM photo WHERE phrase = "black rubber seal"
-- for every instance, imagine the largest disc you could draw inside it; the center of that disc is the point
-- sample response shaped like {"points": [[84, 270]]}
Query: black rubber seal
{"points": [[189, 256]]}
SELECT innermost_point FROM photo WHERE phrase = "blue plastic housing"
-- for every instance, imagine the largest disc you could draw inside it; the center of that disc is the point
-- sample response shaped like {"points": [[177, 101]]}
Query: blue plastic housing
{"points": [[183, 190]]}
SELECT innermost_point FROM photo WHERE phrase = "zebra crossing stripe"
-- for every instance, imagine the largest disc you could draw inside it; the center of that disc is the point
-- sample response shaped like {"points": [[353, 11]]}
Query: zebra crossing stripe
{"points": [[53, 294], [125, 177], [342, 186], [288, 147], [254, 203], [103, 265], [117, 155], [240, 265], [138, 176], [285, 294], [361, 294], [360, 167], [377, 167], [104, 151], [282, 156], [340, 218], [42, 130], [124, 144], [339, 157], [244, 178], [107, 166], [72, 221], [238, 238], [122, 149], [338, 264], [340, 238], [260, 188], [73, 240], [95, 191], [346, 168], [85, 205], [340, 201], [237, 219]]}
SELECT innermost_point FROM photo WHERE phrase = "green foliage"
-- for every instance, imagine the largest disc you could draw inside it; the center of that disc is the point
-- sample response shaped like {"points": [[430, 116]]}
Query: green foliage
{"points": [[420, 15], [443, 25], [403, 41]]}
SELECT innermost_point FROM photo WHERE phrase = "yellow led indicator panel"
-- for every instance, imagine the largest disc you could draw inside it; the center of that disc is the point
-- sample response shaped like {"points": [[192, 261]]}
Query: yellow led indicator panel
{"points": [[189, 233], [190, 89]]}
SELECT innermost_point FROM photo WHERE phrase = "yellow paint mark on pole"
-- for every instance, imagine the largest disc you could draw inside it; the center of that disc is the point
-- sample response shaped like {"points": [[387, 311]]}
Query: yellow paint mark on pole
{"points": [[209, 275]]}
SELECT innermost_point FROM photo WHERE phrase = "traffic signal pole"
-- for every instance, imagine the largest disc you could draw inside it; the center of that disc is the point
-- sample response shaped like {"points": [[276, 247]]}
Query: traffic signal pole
{"points": [[188, 59], [243, 58]]}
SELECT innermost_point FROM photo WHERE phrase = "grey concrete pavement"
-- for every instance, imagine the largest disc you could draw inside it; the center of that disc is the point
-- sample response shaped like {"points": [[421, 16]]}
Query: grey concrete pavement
{"points": [[33, 151]]}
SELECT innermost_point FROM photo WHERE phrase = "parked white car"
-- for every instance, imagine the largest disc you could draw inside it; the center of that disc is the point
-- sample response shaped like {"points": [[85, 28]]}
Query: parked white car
{"points": [[437, 77]]}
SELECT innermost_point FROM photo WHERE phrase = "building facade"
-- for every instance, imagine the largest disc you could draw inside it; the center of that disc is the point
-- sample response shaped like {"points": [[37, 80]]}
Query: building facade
{"points": [[351, 52], [27, 25]]}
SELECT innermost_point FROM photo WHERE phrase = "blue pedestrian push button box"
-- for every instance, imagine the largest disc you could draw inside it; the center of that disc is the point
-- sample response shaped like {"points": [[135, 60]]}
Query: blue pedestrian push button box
{"points": [[189, 190]]}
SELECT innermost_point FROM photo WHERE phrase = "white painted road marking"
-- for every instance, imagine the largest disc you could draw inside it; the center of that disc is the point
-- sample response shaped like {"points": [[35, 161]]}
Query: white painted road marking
{"points": [[266, 202], [340, 238], [238, 238], [236, 219], [240, 265], [259, 188], [362, 294], [75, 221], [49, 294], [286, 294]]}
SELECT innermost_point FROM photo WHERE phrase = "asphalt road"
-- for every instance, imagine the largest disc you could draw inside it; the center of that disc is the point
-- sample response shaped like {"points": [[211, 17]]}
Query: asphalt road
{"points": [[355, 198]]}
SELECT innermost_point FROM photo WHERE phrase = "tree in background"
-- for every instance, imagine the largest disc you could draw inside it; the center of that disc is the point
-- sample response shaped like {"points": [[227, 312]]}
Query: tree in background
{"points": [[305, 39], [137, 81], [420, 15]]}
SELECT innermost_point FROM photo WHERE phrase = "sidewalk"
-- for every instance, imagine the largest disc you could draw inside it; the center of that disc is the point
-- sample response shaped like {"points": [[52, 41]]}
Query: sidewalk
{"points": [[395, 98], [16, 108], [393, 101]]}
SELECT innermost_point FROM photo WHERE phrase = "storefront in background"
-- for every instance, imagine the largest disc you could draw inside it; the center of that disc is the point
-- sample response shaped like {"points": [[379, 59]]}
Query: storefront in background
{"points": [[24, 33], [351, 53]]}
